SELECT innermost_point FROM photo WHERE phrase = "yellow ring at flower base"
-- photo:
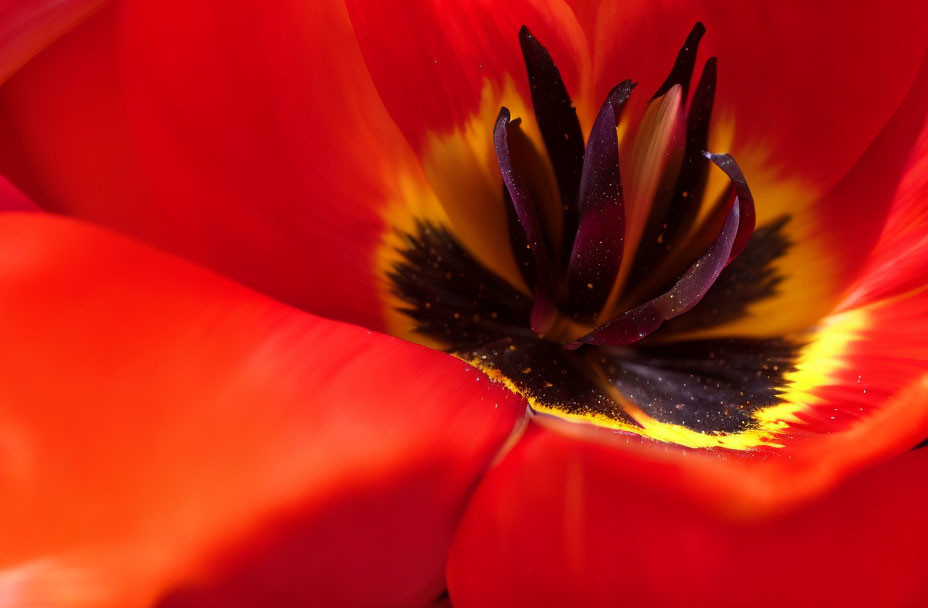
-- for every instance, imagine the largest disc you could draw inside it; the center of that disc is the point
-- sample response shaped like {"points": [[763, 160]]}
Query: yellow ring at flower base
{"points": [[818, 360]]}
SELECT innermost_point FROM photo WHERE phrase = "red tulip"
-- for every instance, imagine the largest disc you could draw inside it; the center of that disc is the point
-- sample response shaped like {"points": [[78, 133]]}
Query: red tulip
{"points": [[203, 397]]}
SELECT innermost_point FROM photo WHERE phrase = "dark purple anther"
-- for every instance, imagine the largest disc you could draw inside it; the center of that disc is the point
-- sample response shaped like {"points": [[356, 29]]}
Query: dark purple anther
{"points": [[682, 70], [665, 232], [633, 303], [589, 184], [597, 250], [559, 126], [633, 325], [543, 311], [726, 163], [694, 171]]}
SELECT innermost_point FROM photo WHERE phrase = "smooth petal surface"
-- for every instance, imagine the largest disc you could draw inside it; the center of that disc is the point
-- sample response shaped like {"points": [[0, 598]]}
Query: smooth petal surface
{"points": [[833, 234], [898, 263], [167, 433], [12, 199], [246, 137], [790, 74], [28, 26], [567, 523], [457, 49]]}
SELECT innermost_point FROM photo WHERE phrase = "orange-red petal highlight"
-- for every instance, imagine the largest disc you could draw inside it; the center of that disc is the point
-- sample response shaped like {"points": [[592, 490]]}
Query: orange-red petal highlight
{"points": [[28, 26], [898, 263], [819, 108], [432, 65], [795, 75], [247, 137], [163, 429], [561, 523]]}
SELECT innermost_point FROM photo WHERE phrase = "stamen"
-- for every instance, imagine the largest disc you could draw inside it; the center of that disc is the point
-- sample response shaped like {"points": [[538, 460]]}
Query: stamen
{"points": [[726, 163], [682, 70], [665, 236], [613, 253], [655, 160], [525, 259], [643, 320], [597, 250], [621, 252], [559, 125], [525, 208]]}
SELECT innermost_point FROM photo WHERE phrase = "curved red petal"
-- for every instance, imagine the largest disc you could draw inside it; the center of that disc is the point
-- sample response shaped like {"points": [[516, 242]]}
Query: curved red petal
{"points": [[618, 513], [857, 208], [562, 522], [586, 12], [458, 49], [796, 77], [802, 92], [832, 233], [163, 428], [12, 198], [898, 263], [28, 26], [444, 70], [248, 138]]}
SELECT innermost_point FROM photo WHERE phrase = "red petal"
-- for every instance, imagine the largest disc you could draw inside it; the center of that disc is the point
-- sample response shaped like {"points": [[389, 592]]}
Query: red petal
{"points": [[855, 210], [796, 76], [802, 92], [562, 522], [586, 13], [163, 427], [615, 515], [433, 64], [836, 231], [444, 69], [899, 261], [12, 199], [248, 138], [28, 26]]}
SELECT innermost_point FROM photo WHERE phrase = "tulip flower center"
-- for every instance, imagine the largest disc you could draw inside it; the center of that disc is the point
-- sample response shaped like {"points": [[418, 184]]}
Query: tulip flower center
{"points": [[627, 258]]}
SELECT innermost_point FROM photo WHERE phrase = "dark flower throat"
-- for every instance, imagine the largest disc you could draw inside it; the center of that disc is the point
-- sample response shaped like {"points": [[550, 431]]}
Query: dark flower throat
{"points": [[622, 277]]}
